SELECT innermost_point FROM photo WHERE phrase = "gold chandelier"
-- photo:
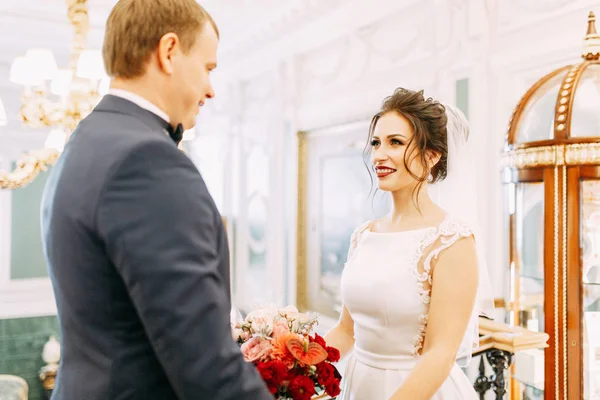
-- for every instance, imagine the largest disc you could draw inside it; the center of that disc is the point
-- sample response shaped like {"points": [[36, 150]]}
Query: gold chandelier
{"points": [[56, 98], [76, 88]]}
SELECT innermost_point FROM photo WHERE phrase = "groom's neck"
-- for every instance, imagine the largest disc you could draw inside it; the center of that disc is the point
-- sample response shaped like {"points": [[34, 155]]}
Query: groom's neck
{"points": [[142, 87]]}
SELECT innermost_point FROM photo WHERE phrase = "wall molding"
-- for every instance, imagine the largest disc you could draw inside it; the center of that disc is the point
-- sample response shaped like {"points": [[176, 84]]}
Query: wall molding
{"points": [[21, 297], [27, 298]]}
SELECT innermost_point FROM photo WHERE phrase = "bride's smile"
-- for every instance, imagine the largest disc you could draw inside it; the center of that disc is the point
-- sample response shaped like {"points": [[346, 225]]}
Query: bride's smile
{"points": [[406, 336]]}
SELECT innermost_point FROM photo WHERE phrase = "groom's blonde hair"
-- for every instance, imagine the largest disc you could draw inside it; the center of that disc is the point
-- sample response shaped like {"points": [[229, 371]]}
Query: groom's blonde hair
{"points": [[135, 27]]}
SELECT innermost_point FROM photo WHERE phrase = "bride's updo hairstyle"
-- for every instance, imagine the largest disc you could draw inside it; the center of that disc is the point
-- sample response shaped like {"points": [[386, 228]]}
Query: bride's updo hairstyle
{"points": [[428, 119]]}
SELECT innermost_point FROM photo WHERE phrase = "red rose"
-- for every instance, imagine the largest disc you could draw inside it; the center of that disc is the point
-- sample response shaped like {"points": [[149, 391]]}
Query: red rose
{"points": [[302, 388], [333, 354], [318, 339], [325, 373], [273, 373], [272, 388], [263, 370], [267, 376], [336, 373], [333, 388]]}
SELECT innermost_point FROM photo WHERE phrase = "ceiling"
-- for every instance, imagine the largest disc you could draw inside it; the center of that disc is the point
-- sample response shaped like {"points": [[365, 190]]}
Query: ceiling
{"points": [[43, 23], [253, 32], [26, 24]]}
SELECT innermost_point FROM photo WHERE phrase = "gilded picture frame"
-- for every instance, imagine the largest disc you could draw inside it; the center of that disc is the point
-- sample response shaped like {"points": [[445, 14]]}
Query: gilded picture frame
{"points": [[336, 193]]}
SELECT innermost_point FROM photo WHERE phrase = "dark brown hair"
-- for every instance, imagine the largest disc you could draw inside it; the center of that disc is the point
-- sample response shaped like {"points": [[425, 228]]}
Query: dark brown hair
{"points": [[135, 27], [428, 119]]}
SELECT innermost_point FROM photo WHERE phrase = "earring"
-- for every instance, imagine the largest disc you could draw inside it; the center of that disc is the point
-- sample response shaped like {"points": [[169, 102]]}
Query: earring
{"points": [[429, 178]]}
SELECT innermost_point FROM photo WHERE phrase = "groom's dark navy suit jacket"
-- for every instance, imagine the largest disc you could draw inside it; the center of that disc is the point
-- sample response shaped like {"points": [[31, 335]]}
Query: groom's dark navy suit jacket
{"points": [[139, 264]]}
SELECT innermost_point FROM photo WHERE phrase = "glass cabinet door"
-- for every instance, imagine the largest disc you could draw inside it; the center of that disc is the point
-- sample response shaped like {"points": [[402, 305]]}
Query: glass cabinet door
{"points": [[590, 257], [527, 282]]}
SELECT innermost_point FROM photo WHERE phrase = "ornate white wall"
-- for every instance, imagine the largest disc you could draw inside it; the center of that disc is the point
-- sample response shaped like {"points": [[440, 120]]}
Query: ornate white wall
{"points": [[305, 64], [322, 64]]}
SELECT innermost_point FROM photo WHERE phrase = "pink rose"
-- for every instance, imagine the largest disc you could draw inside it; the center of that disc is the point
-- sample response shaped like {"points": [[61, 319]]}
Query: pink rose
{"points": [[280, 327], [256, 349]]}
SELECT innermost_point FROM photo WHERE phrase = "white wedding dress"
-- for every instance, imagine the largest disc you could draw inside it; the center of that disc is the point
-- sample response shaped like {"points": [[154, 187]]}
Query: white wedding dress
{"points": [[386, 286]]}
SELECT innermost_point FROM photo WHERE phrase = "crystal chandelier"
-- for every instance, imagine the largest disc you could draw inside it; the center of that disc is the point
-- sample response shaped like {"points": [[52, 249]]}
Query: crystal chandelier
{"points": [[60, 98], [55, 98]]}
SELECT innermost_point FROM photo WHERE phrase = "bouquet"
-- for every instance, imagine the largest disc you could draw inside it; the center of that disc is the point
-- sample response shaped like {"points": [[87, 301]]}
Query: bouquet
{"points": [[293, 363]]}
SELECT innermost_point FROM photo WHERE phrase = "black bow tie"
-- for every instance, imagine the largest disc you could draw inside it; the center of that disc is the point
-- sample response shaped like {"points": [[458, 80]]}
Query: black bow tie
{"points": [[175, 133]]}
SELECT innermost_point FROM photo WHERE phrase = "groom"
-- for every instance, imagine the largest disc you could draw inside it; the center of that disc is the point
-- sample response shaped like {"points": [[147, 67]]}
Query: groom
{"points": [[135, 246]]}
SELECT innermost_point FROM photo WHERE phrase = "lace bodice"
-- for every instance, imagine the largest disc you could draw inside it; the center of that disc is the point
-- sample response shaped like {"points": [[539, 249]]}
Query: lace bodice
{"points": [[386, 286]]}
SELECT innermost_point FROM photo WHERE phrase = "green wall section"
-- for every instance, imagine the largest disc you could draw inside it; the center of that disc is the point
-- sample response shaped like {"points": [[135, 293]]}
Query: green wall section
{"points": [[21, 344], [26, 256], [462, 96]]}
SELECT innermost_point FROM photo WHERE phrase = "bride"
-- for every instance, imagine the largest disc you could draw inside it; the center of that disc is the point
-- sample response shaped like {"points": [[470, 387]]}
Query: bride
{"points": [[413, 285]]}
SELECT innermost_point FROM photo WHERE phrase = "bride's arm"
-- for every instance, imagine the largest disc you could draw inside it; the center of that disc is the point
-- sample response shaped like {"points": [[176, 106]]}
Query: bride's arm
{"points": [[341, 336], [455, 280]]}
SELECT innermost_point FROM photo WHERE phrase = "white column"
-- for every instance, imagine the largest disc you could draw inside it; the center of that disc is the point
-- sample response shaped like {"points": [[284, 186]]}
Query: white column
{"points": [[290, 183], [276, 240]]}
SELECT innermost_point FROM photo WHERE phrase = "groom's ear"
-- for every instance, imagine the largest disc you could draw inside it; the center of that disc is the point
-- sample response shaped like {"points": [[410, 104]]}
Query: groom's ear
{"points": [[168, 47]]}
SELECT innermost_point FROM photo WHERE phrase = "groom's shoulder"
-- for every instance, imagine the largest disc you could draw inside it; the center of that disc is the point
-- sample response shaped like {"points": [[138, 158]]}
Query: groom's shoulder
{"points": [[102, 145], [108, 139], [119, 131]]}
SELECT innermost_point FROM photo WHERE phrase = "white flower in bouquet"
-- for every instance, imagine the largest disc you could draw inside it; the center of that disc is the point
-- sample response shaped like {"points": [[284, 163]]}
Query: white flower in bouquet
{"points": [[262, 326], [238, 333], [268, 313], [302, 323], [288, 310]]}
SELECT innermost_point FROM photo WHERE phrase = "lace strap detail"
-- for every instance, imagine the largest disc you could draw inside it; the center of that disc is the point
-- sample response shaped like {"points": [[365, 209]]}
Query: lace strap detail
{"points": [[448, 233], [355, 238]]}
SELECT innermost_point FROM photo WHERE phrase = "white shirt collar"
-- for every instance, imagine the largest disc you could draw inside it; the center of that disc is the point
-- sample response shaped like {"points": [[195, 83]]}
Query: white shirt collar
{"points": [[140, 101]]}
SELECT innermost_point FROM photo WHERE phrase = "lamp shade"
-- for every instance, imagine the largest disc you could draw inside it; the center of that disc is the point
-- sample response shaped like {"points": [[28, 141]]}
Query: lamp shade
{"points": [[90, 65], [21, 73], [42, 63]]}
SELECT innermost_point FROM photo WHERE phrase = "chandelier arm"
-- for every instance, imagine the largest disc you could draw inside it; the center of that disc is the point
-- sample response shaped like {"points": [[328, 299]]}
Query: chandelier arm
{"points": [[29, 166]]}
